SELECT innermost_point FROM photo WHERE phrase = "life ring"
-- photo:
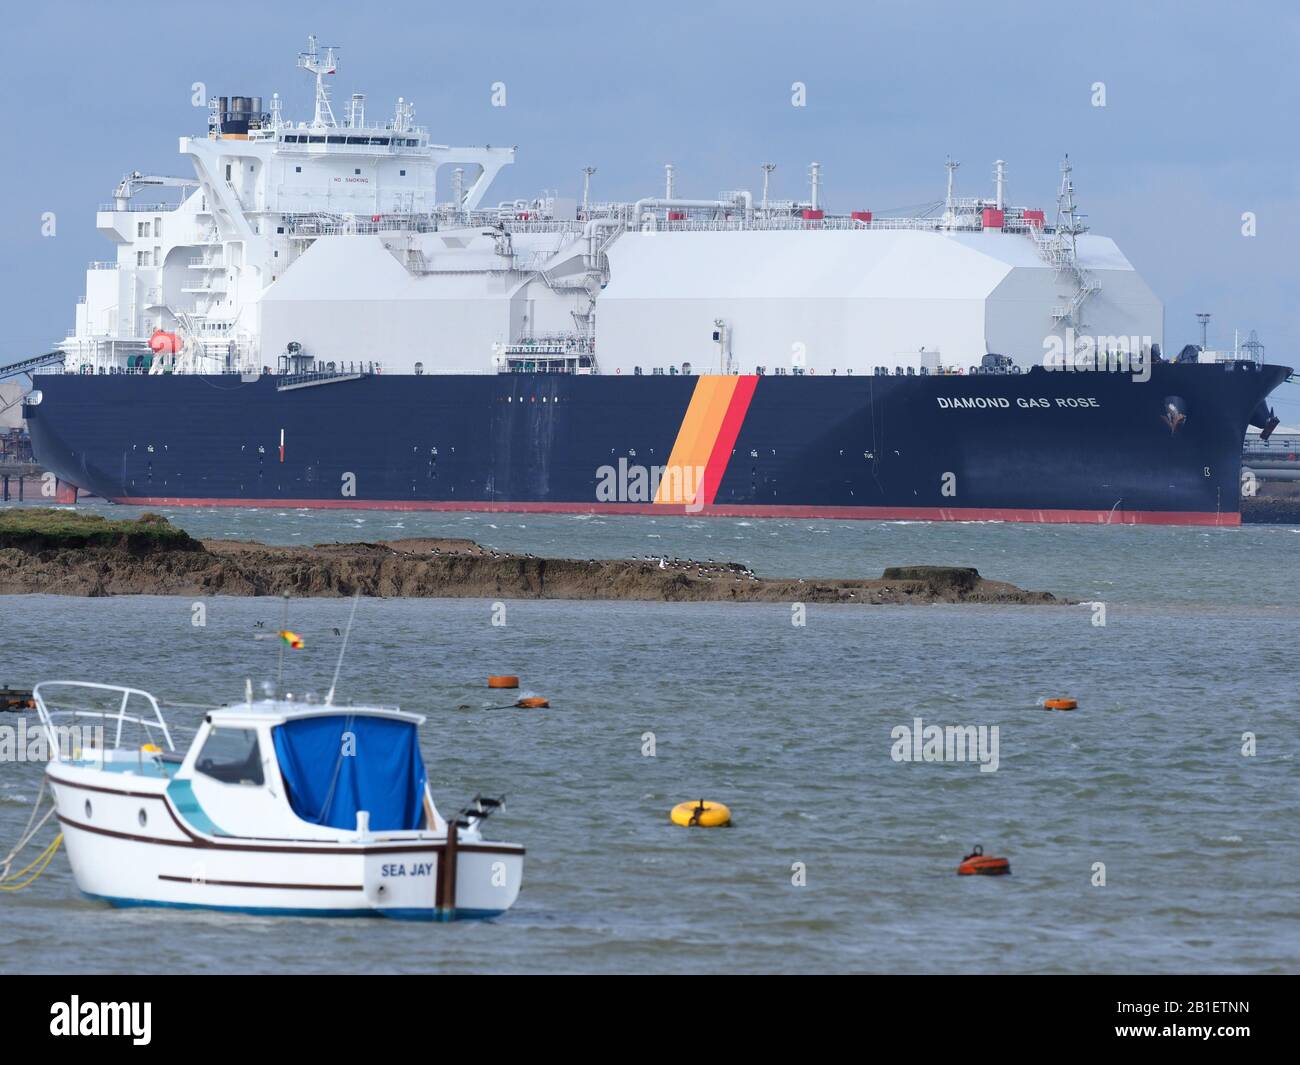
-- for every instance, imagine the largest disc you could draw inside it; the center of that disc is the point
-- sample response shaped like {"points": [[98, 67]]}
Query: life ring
{"points": [[700, 814], [975, 864], [503, 682], [1060, 704]]}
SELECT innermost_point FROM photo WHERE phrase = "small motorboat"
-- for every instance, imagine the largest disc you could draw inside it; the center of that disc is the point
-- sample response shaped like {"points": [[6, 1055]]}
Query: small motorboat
{"points": [[278, 807], [15, 699]]}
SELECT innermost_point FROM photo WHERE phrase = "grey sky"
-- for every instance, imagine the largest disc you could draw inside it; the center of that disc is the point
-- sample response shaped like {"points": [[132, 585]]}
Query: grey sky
{"points": [[1197, 127]]}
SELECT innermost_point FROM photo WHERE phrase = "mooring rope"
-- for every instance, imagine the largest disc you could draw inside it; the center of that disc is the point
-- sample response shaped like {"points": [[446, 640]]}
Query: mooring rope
{"points": [[28, 834]]}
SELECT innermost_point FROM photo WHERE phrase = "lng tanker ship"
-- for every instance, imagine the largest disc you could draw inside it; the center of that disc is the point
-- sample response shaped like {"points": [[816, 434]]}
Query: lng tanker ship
{"points": [[329, 315]]}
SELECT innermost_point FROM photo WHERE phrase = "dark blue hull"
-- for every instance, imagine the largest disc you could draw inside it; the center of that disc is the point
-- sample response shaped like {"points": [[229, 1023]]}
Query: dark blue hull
{"points": [[1039, 446]]}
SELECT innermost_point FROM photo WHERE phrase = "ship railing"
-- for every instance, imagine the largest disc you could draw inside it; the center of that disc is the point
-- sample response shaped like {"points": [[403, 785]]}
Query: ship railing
{"points": [[531, 225], [712, 225], [103, 264], [326, 224], [157, 208], [1272, 445], [147, 721], [1231, 355], [319, 376]]}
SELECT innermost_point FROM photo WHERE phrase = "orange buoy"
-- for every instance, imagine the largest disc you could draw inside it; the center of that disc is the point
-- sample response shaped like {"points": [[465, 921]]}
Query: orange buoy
{"points": [[503, 682], [533, 702], [1060, 704], [975, 864]]}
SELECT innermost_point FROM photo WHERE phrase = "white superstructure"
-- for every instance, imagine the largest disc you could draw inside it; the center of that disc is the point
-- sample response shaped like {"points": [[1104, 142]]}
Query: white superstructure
{"points": [[348, 240]]}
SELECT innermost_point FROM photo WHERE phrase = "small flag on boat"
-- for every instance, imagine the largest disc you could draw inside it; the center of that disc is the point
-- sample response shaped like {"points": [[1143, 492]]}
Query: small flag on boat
{"points": [[292, 639]]}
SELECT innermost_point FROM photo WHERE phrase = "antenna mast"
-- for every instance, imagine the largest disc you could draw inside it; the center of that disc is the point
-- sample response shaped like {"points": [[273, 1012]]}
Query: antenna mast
{"points": [[1069, 222], [329, 699], [1204, 318], [949, 204], [320, 65], [279, 669]]}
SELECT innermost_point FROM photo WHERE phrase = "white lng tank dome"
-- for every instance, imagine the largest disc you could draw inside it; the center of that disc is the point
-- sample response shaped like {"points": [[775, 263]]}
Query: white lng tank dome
{"points": [[350, 238]]}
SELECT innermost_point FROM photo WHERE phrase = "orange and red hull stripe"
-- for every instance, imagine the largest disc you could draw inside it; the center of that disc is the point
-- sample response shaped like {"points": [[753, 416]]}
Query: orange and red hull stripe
{"points": [[704, 441]]}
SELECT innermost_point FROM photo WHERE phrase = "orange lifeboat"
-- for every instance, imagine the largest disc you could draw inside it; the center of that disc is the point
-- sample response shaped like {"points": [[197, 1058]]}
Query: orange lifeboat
{"points": [[975, 864], [162, 342]]}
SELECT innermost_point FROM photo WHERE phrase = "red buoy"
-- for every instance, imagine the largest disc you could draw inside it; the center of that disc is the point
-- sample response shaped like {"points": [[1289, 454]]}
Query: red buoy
{"points": [[975, 864]]}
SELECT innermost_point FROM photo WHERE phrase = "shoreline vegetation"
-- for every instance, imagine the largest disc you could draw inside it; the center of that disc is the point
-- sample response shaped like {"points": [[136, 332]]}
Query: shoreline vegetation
{"points": [[63, 552]]}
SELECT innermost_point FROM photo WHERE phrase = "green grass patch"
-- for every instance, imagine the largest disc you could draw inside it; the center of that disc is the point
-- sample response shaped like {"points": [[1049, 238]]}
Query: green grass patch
{"points": [[38, 529]]}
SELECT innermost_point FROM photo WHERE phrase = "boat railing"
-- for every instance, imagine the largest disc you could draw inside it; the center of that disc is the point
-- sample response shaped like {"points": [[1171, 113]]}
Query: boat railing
{"points": [[106, 718]]}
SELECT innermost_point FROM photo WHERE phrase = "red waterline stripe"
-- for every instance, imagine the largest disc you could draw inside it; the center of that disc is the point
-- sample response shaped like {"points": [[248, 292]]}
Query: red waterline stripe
{"points": [[731, 423], [726, 510]]}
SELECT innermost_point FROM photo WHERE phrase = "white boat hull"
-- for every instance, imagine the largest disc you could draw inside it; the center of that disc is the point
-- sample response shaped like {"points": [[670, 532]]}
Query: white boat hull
{"points": [[130, 845]]}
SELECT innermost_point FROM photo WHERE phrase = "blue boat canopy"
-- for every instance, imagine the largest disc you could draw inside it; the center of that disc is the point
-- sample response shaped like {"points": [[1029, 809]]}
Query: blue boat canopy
{"points": [[334, 765]]}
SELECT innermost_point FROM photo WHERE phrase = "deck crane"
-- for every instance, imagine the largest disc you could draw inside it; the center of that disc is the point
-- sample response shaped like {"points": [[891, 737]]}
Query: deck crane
{"points": [[135, 181]]}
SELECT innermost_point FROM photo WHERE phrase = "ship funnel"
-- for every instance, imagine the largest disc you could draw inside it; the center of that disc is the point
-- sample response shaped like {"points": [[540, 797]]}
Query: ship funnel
{"points": [[239, 114]]}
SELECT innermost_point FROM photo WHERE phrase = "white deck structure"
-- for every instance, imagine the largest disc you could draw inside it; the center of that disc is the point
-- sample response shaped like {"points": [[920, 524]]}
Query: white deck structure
{"points": [[346, 240]]}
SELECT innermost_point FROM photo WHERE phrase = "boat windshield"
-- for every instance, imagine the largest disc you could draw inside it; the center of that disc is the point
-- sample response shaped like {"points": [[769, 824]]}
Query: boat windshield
{"points": [[232, 756], [335, 765]]}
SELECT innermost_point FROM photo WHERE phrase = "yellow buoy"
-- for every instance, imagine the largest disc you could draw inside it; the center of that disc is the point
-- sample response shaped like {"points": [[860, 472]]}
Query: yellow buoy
{"points": [[1060, 704], [503, 682], [700, 814], [151, 748]]}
